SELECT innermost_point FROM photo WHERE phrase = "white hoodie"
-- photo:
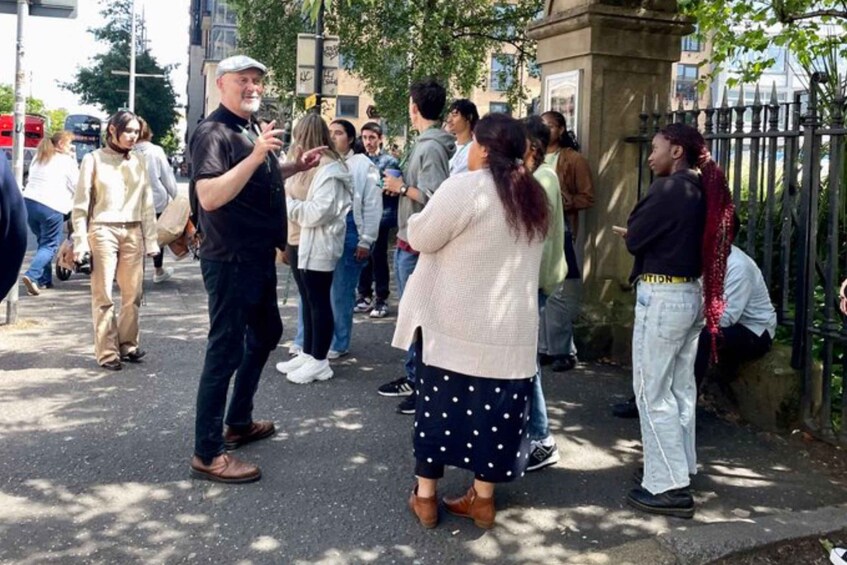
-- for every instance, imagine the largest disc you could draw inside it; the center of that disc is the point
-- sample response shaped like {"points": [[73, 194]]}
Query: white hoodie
{"points": [[367, 198], [322, 217]]}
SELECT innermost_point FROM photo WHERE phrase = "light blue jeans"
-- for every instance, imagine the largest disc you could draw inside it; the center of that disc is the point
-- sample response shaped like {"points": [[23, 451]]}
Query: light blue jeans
{"points": [[404, 266], [538, 425], [668, 320]]}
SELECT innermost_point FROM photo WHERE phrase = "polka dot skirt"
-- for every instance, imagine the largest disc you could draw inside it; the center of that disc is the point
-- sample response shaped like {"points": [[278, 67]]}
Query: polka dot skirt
{"points": [[474, 423]]}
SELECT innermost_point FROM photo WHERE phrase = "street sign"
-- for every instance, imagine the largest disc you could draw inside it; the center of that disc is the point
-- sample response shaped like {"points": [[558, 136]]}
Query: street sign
{"points": [[311, 101], [43, 8], [306, 65]]}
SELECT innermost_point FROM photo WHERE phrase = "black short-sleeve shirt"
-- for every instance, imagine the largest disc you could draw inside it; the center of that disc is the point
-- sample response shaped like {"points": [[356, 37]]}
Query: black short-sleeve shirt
{"points": [[253, 224]]}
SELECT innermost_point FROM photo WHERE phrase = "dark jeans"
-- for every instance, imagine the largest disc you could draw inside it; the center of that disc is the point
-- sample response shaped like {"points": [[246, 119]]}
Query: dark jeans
{"points": [[46, 223], [314, 288], [736, 344], [244, 327], [376, 269]]}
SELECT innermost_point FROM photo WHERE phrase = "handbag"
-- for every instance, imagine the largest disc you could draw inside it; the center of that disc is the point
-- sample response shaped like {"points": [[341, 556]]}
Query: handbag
{"points": [[173, 221]]}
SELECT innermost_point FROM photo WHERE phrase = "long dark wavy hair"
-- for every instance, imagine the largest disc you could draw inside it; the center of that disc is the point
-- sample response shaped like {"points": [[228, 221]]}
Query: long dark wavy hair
{"points": [[720, 210], [523, 198]]}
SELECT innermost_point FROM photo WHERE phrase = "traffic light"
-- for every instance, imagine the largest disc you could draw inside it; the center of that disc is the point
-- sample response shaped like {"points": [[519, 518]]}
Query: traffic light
{"points": [[43, 8]]}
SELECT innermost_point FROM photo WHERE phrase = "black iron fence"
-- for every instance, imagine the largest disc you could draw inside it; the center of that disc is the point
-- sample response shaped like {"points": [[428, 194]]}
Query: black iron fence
{"points": [[785, 165]]}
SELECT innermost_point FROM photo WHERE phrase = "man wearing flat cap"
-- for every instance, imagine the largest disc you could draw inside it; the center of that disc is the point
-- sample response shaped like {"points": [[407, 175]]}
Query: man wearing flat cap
{"points": [[237, 184]]}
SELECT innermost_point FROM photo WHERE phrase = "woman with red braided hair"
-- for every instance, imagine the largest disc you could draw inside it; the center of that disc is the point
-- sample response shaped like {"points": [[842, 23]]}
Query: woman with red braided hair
{"points": [[680, 234]]}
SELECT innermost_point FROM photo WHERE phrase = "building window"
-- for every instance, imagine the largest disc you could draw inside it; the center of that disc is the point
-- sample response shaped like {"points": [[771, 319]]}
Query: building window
{"points": [[224, 14], [685, 88], [502, 72], [500, 108], [347, 107], [223, 42], [692, 44]]}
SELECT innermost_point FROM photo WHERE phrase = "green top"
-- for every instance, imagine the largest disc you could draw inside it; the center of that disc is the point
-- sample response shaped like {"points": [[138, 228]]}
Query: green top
{"points": [[554, 269]]}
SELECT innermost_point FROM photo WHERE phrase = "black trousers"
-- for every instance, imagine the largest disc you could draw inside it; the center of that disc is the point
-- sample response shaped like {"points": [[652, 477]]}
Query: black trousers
{"points": [[159, 257], [376, 270], [314, 288], [736, 344], [244, 327]]}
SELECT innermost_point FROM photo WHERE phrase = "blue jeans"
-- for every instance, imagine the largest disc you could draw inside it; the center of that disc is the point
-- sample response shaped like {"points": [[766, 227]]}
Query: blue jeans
{"points": [[46, 224], [668, 320], [538, 426], [344, 284], [404, 266], [244, 327]]}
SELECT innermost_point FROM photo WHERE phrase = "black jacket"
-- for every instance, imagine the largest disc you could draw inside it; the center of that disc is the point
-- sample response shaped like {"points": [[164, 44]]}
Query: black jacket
{"points": [[665, 230], [12, 227]]}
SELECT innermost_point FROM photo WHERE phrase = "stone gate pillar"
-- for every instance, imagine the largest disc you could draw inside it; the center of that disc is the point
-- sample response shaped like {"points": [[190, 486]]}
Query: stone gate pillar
{"points": [[623, 51]]}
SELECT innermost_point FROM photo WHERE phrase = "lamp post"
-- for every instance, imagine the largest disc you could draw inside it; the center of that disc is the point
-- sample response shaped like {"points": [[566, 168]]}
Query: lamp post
{"points": [[131, 104]]}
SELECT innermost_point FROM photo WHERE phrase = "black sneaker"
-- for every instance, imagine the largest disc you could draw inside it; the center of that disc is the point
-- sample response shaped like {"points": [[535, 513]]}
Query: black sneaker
{"points": [[363, 305], [408, 405], [563, 363], [380, 309], [628, 409], [400, 387], [542, 456]]}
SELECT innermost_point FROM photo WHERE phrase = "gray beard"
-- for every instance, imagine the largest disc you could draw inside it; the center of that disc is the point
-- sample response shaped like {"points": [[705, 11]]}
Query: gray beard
{"points": [[251, 106]]}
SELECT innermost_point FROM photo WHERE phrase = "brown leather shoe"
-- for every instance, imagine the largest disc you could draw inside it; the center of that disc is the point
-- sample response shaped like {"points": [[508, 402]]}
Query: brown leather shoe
{"points": [[225, 469], [426, 509], [258, 430], [472, 506]]}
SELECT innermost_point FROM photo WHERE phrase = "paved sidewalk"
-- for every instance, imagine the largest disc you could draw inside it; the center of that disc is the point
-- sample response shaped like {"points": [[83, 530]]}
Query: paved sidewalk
{"points": [[94, 464]]}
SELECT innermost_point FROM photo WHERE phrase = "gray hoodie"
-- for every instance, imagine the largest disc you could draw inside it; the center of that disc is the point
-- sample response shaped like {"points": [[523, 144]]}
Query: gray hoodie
{"points": [[426, 168], [162, 181]]}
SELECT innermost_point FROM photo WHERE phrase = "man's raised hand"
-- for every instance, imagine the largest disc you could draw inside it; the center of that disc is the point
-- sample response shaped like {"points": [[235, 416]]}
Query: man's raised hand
{"points": [[267, 141]]}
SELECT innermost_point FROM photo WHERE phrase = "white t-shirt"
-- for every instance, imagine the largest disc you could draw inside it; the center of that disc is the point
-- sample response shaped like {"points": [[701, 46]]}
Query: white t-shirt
{"points": [[459, 160], [53, 183]]}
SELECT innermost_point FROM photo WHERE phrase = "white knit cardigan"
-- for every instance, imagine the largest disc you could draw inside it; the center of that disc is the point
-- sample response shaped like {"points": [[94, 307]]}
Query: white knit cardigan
{"points": [[474, 291]]}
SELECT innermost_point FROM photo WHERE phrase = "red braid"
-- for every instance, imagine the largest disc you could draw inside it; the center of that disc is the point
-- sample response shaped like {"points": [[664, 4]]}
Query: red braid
{"points": [[717, 238], [717, 233]]}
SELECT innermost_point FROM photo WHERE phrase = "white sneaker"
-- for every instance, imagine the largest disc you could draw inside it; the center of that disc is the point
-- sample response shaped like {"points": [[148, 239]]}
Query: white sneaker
{"points": [[166, 274], [292, 365], [295, 350], [312, 370], [333, 354]]}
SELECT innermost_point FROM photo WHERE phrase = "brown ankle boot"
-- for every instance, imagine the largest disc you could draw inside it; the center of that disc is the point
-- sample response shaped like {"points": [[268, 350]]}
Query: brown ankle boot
{"points": [[426, 509], [472, 506]]}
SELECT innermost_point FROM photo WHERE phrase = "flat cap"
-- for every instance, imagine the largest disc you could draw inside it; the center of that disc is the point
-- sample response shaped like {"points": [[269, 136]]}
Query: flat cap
{"points": [[238, 63]]}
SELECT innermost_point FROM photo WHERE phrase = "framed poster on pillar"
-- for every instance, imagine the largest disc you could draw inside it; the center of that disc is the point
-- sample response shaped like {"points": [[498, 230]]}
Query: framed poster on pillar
{"points": [[561, 94]]}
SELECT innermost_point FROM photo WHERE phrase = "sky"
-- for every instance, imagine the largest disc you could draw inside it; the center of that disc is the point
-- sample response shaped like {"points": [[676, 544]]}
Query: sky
{"points": [[55, 47]]}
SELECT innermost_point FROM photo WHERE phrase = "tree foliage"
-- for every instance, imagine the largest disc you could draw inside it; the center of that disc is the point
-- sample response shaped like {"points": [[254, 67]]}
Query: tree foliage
{"points": [[742, 31], [390, 43], [155, 99], [7, 101]]}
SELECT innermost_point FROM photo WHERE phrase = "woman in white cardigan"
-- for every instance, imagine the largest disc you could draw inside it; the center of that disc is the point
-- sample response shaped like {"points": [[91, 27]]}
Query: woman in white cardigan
{"points": [[471, 308], [317, 201]]}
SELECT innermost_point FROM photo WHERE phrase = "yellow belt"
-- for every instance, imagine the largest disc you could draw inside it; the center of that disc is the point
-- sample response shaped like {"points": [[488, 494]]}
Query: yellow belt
{"points": [[666, 279]]}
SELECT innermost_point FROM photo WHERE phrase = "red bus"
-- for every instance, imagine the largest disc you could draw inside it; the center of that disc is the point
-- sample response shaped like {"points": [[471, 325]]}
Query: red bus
{"points": [[34, 127]]}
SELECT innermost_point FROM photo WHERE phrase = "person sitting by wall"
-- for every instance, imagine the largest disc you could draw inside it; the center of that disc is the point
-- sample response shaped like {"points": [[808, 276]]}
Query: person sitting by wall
{"points": [[748, 324]]}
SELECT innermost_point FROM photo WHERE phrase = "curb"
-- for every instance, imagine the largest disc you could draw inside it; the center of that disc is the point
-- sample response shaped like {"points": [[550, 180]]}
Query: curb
{"points": [[704, 544]]}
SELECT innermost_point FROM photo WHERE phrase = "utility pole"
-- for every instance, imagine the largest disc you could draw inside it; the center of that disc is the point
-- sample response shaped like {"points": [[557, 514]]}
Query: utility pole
{"points": [[18, 138], [131, 104], [319, 57]]}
